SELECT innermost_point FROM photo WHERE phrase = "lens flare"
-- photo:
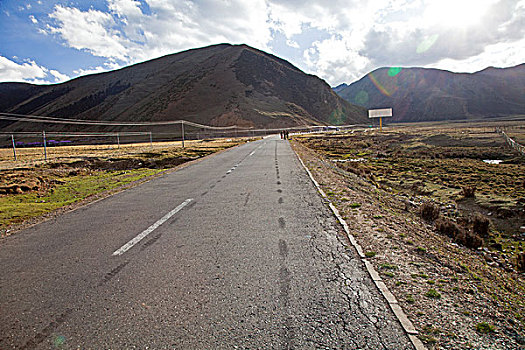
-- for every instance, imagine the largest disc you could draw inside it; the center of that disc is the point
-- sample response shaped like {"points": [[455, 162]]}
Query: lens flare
{"points": [[59, 340], [361, 98], [427, 43], [393, 71], [381, 86]]}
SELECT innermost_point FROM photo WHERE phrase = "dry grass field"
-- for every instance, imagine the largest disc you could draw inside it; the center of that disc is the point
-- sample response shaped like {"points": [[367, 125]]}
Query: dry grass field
{"points": [[32, 189], [439, 223], [30, 156]]}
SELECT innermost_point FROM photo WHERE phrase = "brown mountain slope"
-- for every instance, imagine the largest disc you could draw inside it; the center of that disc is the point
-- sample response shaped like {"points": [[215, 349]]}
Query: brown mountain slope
{"points": [[220, 85], [419, 94]]}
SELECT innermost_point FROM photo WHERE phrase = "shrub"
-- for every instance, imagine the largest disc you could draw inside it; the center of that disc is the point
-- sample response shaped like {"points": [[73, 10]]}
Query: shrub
{"points": [[480, 225], [459, 234], [429, 211], [521, 261], [468, 239], [447, 227], [469, 191]]}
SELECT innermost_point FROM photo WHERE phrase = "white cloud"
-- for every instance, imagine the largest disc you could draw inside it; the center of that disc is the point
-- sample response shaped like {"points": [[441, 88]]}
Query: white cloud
{"points": [[59, 77], [367, 34], [90, 30], [99, 69], [292, 43], [500, 54], [33, 19], [358, 36], [28, 71], [129, 35]]}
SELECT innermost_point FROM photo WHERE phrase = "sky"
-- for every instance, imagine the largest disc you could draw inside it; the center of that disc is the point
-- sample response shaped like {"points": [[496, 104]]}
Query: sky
{"points": [[51, 41]]}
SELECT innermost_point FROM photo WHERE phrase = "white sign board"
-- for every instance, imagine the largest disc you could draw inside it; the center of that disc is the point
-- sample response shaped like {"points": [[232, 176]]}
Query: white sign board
{"points": [[378, 113]]}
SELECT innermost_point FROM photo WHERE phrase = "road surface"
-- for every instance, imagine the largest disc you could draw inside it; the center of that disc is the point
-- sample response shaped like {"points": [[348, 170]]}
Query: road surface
{"points": [[235, 251]]}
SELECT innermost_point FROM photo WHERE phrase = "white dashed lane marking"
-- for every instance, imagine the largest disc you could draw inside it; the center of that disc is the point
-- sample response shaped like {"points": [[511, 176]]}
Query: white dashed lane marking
{"points": [[150, 229]]}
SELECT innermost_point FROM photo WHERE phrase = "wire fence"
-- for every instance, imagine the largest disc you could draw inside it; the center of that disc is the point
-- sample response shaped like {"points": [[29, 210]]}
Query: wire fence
{"points": [[512, 144], [23, 147], [128, 137]]}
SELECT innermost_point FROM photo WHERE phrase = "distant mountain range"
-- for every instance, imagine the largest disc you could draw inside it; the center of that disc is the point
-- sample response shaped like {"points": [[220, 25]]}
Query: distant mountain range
{"points": [[340, 87], [419, 94], [220, 85]]}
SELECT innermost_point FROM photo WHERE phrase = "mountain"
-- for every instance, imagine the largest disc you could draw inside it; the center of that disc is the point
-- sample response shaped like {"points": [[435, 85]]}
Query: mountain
{"points": [[218, 85], [419, 94], [340, 87]]}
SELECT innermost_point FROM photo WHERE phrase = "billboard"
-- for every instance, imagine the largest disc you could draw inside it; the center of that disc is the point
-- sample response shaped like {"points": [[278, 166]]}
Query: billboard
{"points": [[378, 113]]}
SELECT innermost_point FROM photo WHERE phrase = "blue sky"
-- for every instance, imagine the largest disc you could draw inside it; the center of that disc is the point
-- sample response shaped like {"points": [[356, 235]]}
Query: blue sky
{"points": [[50, 41]]}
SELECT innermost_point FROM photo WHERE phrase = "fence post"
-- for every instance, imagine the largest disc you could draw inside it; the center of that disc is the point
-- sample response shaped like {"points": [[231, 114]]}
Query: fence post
{"points": [[182, 124], [150, 140], [45, 146], [118, 141], [14, 146]]}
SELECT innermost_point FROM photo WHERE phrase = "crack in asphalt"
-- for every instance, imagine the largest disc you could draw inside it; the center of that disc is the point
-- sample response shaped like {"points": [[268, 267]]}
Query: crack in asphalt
{"points": [[333, 253]]}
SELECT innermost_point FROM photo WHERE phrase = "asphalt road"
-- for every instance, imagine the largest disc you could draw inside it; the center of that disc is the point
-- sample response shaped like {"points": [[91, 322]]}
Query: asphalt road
{"points": [[239, 252]]}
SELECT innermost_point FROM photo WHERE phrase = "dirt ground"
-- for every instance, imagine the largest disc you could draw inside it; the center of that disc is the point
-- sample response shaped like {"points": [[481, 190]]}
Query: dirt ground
{"points": [[457, 297]]}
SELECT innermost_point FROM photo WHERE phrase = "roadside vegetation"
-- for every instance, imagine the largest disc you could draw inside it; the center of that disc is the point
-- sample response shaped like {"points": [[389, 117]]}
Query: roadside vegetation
{"points": [[440, 224], [33, 190]]}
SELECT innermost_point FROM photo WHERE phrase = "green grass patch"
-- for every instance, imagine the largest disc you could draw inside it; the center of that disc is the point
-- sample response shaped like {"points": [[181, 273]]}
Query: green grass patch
{"points": [[484, 328], [432, 293], [388, 266], [370, 254], [410, 299], [18, 208]]}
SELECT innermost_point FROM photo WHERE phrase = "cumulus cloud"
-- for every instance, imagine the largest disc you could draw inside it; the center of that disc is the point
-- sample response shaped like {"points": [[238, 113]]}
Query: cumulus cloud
{"points": [[358, 36], [128, 34], [28, 71], [59, 77], [99, 69], [499, 22], [292, 43], [91, 30], [365, 35]]}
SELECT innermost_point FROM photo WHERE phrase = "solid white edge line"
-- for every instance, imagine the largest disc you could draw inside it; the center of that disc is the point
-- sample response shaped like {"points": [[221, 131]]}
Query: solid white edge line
{"points": [[150, 229], [406, 324]]}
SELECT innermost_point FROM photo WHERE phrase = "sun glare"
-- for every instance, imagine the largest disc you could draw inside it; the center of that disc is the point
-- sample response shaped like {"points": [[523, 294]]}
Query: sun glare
{"points": [[456, 13]]}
